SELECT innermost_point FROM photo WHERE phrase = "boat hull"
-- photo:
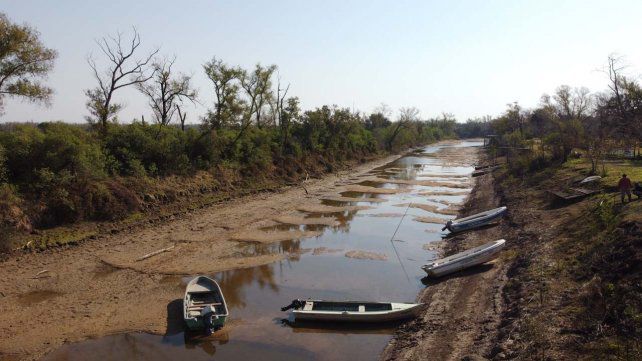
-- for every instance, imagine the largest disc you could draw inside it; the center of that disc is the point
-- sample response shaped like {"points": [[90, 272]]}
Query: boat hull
{"points": [[476, 222], [351, 316], [443, 267]]}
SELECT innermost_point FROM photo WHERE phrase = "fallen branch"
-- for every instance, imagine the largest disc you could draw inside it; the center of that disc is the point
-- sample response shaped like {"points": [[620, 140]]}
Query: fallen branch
{"points": [[39, 273], [155, 253]]}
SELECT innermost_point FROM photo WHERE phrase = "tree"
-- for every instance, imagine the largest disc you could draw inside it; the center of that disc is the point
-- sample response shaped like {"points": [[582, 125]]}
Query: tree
{"points": [[228, 107], [181, 116], [23, 61], [258, 88], [123, 70], [406, 115], [165, 91]]}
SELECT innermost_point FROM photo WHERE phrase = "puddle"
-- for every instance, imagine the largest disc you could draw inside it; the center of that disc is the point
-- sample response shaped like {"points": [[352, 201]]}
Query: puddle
{"points": [[314, 268]]}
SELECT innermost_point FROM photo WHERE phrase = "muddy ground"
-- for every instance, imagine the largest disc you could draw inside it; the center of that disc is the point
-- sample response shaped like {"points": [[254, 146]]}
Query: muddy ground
{"points": [[106, 285]]}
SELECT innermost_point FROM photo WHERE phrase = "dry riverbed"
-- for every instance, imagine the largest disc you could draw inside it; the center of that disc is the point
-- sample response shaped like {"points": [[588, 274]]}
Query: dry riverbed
{"points": [[126, 282]]}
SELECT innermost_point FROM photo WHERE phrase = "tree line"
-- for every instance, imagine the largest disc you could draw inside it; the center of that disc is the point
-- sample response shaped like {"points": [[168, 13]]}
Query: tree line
{"points": [[54, 173], [572, 118]]}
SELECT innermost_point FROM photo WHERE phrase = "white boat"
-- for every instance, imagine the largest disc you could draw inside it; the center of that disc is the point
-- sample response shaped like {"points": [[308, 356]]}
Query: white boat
{"points": [[590, 179], [475, 221], [204, 306], [351, 311], [466, 259]]}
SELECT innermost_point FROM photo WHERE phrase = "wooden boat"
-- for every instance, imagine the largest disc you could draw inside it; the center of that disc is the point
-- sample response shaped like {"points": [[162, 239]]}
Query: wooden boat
{"points": [[204, 306], [351, 311], [466, 259], [475, 221]]}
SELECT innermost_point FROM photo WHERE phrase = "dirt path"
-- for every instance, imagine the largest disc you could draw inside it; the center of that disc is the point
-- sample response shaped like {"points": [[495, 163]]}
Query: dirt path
{"points": [[103, 286], [463, 310]]}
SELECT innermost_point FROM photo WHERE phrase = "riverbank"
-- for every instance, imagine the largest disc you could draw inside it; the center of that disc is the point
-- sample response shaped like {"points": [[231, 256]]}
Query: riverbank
{"points": [[105, 285], [567, 285], [465, 308]]}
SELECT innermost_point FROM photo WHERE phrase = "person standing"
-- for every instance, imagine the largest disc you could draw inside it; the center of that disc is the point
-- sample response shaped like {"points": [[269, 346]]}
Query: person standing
{"points": [[624, 185]]}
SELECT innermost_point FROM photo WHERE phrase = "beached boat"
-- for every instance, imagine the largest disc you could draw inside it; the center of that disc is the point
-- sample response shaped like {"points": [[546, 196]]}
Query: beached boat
{"points": [[463, 260], [590, 179], [475, 221], [351, 311], [204, 306]]}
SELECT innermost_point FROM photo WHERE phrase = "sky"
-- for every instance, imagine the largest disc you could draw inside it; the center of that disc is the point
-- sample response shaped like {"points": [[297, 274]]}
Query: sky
{"points": [[469, 58]]}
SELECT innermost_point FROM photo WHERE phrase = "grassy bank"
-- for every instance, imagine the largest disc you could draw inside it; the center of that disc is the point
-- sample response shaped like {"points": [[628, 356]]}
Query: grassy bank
{"points": [[574, 288]]}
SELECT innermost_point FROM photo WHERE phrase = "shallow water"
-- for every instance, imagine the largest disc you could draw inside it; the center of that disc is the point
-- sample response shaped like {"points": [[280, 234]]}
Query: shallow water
{"points": [[257, 329]]}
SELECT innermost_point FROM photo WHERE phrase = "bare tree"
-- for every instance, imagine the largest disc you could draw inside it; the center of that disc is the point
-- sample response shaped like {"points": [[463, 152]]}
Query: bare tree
{"points": [[281, 115], [181, 116], [123, 70], [165, 90]]}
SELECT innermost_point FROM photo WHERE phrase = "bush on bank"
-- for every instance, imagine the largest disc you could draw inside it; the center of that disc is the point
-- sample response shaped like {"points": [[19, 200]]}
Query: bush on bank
{"points": [[56, 173]]}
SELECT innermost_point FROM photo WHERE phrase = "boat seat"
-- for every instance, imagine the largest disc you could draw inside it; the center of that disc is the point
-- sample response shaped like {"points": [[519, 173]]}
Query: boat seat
{"points": [[362, 308]]}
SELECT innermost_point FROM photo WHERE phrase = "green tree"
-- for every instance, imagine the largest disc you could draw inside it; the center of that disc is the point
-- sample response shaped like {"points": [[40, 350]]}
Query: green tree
{"points": [[23, 61], [228, 106]]}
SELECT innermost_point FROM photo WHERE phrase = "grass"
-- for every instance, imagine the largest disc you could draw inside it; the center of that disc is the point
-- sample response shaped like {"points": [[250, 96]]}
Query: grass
{"points": [[588, 282]]}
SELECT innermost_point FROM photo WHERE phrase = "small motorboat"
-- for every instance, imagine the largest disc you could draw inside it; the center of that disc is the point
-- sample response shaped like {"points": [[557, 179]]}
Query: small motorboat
{"points": [[475, 221], [351, 311], [204, 306], [466, 259]]}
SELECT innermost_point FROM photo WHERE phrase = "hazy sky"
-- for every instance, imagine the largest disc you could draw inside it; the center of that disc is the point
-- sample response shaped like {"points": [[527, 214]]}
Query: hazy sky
{"points": [[468, 58]]}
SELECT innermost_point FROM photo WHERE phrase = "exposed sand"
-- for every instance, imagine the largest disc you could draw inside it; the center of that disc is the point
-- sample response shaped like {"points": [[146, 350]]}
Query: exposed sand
{"points": [[324, 250], [430, 220], [373, 190], [366, 255], [88, 290], [323, 221], [353, 199], [443, 193], [320, 208], [419, 182], [271, 237]]}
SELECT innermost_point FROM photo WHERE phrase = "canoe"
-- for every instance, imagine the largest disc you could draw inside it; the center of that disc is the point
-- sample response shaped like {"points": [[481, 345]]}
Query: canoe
{"points": [[466, 259], [475, 221], [351, 311], [204, 306]]}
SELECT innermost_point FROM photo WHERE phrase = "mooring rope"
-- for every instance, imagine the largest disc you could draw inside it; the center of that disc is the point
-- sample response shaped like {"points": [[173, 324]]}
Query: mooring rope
{"points": [[393, 243]]}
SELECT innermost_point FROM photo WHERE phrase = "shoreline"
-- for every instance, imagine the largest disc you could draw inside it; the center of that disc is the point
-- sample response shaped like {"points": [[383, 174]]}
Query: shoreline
{"points": [[464, 310]]}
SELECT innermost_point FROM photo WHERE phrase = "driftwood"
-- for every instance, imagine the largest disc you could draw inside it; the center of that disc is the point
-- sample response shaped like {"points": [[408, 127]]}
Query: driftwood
{"points": [[41, 272], [154, 253]]}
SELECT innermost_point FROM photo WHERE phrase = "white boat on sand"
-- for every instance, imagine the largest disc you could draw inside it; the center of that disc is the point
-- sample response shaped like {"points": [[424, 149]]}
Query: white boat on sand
{"points": [[466, 259], [351, 311], [476, 220]]}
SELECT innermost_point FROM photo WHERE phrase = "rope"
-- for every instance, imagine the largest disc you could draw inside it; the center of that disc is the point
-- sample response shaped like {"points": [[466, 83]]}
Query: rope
{"points": [[393, 243]]}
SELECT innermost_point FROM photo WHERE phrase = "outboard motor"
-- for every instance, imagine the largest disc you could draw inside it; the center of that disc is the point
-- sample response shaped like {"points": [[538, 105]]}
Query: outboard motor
{"points": [[208, 314], [447, 226], [296, 304]]}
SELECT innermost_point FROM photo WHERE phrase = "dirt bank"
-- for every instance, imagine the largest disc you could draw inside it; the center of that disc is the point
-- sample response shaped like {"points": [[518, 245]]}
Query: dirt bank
{"points": [[107, 285]]}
